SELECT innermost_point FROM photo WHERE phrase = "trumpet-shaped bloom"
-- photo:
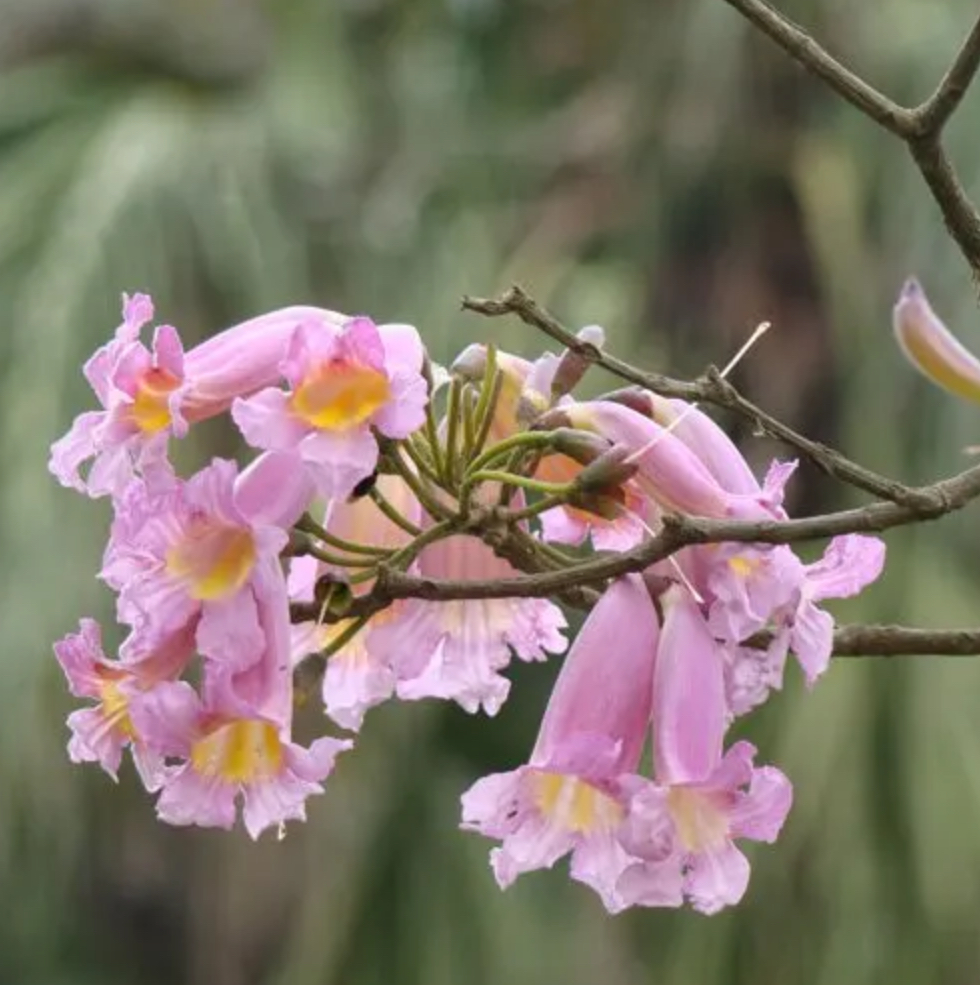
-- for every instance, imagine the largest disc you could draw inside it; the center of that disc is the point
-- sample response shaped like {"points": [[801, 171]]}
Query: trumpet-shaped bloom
{"points": [[149, 394], [455, 650], [192, 555], [101, 731], [682, 827], [931, 348], [685, 833], [670, 473], [568, 798], [226, 751], [343, 383], [141, 391]]}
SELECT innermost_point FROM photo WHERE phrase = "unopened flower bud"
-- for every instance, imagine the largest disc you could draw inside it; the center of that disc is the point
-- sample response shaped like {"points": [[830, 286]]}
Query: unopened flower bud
{"points": [[471, 363], [931, 347], [609, 471], [573, 365], [583, 446], [555, 418], [634, 397]]}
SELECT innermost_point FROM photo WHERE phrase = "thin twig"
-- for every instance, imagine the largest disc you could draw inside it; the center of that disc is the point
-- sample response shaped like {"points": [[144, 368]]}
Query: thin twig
{"points": [[710, 388], [920, 128], [821, 63], [932, 115]]}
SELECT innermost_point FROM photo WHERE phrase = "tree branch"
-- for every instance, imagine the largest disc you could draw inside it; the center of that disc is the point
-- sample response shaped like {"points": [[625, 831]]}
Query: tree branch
{"points": [[920, 128], [942, 497], [710, 389], [796, 42], [932, 115]]}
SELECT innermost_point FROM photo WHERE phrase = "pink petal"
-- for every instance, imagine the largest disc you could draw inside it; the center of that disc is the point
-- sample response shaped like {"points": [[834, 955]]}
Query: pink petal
{"points": [[850, 563], [717, 878], [275, 489], [761, 812], [688, 695], [338, 461], [266, 421], [76, 447]]}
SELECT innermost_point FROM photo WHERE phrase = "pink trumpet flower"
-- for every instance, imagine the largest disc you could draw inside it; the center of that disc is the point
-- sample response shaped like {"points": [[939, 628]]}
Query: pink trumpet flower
{"points": [[225, 750], [684, 825], [343, 383], [568, 799], [101, 731], [148, 395]]}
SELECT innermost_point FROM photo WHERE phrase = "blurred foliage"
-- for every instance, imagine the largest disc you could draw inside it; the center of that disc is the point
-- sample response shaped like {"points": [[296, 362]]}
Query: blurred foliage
{"points": [[656, 168]]}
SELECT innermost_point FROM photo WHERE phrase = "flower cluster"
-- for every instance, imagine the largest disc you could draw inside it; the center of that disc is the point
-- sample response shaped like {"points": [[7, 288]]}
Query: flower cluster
{"points": [[234, 583]]}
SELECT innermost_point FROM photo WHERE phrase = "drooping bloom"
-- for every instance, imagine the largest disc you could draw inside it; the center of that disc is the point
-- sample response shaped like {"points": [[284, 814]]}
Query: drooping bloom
{"points": [[195, 555], [357, 676], [670, 473], [227, 750], [101, 732], [681, 828], [456, 650], [568, 798], [343, 383], [148, 395], [931, 347]]}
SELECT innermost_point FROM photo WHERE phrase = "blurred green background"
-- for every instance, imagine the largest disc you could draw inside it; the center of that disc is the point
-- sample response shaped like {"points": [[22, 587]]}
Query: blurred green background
{"points": [[651, 166]]}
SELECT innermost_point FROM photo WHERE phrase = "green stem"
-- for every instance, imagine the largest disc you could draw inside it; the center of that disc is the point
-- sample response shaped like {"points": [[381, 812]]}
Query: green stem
{"points": [[392, 513], [535, 509], [469, 403], [343, 638], [308, 525], [419, 459], [522, 440], [431, 428], [429, 503], [450, 462], [336, 559], [485, 413], [403, 558], [522, 481]]}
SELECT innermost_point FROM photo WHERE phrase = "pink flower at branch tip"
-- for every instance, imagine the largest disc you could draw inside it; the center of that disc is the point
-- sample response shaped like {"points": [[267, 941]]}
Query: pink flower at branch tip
{"points": [[681, 828], [567, 799], [343, 383], [148, 395]]}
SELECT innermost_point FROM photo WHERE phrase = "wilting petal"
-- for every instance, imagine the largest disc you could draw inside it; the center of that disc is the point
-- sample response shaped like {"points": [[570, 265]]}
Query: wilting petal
{"points": [[931, 347]]}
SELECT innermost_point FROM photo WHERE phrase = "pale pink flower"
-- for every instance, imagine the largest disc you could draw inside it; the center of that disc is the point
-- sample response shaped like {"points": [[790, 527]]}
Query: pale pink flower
{"points": [[101, 732], [203, 553], [226, 751], [568, 798], [670, 473], [343, 383], [682, 827], [141, 390], [455, 650], [149, 394]]}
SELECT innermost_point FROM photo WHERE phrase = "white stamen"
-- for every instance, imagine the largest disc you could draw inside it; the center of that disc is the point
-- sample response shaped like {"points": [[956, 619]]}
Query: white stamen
{"points": [[760, 330]]}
